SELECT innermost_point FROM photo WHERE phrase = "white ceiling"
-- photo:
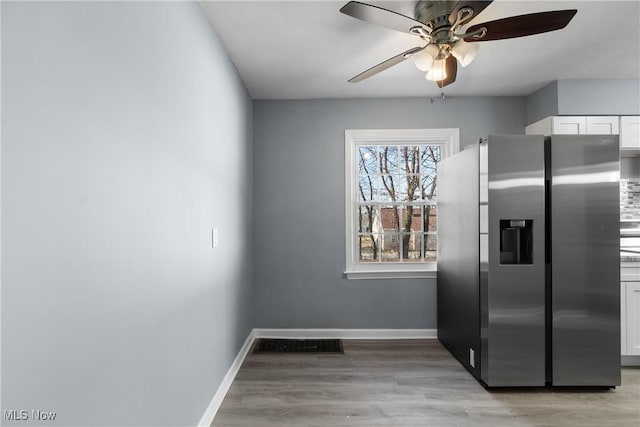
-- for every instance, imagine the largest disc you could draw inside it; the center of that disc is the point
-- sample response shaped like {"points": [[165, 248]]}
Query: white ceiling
{"points": [[308, 49]]}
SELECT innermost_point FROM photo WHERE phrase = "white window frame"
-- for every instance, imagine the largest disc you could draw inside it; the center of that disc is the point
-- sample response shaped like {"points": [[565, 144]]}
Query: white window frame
{"points": [[447, 138]]}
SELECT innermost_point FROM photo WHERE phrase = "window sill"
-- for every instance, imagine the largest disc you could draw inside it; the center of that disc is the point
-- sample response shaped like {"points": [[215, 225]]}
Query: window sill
{"points": [[390, 274]]}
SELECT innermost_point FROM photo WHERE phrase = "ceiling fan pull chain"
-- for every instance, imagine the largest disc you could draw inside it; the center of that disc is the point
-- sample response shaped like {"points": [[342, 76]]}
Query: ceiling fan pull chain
{"points": [[442, 98]]}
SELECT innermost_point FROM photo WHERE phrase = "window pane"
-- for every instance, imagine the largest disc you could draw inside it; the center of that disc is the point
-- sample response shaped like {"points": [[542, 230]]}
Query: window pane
{"points": [[428, 187], [400, 183], [368, 160], [413, 187], [368, 248], [368, 188], [389, 187], [390, 248], [407, 187], [368, 219], [430, 216], [412, 247], [430, 243], [410, 218], [429, 156], [389, 160], [410, 159], [389, 219]]}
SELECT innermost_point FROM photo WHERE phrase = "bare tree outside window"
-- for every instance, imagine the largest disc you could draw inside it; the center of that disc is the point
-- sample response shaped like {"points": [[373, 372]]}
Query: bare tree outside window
{"points": [[396, 205]]}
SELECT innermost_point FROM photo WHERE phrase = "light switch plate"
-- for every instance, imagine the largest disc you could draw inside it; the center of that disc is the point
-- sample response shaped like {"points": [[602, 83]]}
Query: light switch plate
{"points": [[214, 237]]}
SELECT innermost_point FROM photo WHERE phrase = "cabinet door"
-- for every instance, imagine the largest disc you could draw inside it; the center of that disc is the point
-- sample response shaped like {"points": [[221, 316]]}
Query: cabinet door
{"points": [[623, 318], [630, 132], [541, 127], [603, 125], [569, 125], [633, 318]]}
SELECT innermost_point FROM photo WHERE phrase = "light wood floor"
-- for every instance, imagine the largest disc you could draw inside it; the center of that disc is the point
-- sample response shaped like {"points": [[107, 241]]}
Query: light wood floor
{"points": [[406, 383]]}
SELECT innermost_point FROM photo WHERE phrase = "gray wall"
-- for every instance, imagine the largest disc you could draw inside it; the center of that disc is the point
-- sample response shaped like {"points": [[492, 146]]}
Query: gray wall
{"points": [[585, 97], [126, 135], [299, 254], [543, 103], [590, 96]]}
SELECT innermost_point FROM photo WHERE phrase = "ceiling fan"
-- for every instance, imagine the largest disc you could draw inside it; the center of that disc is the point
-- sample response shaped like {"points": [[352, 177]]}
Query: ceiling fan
{"points": [[439, 26]]}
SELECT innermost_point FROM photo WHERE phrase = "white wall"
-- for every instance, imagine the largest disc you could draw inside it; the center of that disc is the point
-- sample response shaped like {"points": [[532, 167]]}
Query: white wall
{"points": [[126, 135]]}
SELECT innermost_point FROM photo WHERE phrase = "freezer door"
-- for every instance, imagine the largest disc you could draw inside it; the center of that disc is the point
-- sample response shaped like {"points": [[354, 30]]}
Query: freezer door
{"points": [[585, 295], [512, 289]]}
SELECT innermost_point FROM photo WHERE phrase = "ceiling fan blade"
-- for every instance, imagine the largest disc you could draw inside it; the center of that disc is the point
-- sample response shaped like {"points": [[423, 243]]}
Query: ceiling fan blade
{"points": [[522, 25], [380, 16], [451, 66], [476, 6], [385, 64]]}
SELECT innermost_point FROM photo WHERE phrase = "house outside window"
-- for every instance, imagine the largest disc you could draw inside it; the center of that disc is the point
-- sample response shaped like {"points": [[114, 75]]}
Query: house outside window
{"points": [[391, 200]]}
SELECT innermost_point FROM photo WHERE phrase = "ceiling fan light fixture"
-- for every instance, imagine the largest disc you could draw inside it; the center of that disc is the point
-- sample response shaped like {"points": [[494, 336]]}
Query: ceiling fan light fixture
{"points": [[465, 52], [424, 60], [440, 23], [438, 72]]}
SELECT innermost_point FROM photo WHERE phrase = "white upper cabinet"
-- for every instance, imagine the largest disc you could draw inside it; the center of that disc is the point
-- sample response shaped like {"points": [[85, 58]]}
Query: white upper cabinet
{"points": [[575, 125], [568, 125], [603, 125], [630, 132], [623, 318], [631, 318], [541, 127]]}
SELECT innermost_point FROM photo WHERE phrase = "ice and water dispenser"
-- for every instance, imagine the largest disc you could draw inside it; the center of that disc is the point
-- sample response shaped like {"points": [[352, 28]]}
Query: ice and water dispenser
{"points": [[516, 241]]}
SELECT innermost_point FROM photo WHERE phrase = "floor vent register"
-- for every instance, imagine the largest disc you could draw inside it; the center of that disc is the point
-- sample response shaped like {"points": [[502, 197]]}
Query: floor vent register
{"points": [[271, 345]]}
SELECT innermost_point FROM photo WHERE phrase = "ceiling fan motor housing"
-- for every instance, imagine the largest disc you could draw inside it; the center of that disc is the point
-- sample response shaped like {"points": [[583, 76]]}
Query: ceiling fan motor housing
{"points": [[435, 16]]}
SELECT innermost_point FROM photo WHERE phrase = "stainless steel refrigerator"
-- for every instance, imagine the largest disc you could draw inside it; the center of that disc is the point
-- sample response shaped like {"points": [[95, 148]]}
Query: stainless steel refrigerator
{"points": [[528, 260]]}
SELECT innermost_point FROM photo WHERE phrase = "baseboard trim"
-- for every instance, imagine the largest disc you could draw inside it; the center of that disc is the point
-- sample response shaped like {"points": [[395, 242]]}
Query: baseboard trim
{"points": [[353, 334], [630, 361], [224, 386]]}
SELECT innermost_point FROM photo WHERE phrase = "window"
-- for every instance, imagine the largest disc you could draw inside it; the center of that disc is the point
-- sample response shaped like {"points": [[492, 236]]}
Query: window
{"points": [[391, 200]]}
